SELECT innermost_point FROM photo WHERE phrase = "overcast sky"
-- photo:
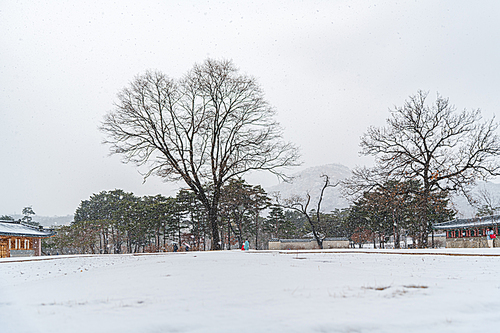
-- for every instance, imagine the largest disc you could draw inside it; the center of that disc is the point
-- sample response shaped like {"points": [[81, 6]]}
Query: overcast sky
{"points": [[331, 69]]}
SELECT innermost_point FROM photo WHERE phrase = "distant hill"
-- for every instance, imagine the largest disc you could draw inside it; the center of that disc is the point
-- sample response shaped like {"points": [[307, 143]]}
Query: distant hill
{"points": [[492, 190], [309, 180], [48, 221]]}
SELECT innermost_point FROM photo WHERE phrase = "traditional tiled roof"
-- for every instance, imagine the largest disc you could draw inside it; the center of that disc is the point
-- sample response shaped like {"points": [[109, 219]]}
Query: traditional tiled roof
{"points": [[486, 221], [8, 228]]}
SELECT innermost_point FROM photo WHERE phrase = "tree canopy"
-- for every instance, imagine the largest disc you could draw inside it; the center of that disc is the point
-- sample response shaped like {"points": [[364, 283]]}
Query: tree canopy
{"points": [[442, 148], [211, 125]]}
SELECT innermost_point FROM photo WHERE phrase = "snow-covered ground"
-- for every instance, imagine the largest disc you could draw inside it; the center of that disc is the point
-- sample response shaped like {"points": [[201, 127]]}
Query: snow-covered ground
{"points": [[233, 291]]}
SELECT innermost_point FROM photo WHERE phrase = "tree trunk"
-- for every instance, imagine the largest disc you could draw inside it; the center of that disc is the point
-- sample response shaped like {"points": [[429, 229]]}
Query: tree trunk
{"points": [[425, 218], [100, 244], [238, 235], [395, 233], [229, 234], [256, 230], [316, 236], [164, 237], [212, 217]]}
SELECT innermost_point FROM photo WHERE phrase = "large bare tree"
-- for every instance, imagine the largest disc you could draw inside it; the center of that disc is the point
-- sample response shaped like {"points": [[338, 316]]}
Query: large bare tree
{"points": [[211, 125], [445, 149]]}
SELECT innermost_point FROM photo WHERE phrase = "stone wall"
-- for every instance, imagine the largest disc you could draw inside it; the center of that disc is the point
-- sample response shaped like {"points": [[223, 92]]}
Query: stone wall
{"points": [[439, 241], [470, 242], [307, 244], [336, 244], [22, 253]]}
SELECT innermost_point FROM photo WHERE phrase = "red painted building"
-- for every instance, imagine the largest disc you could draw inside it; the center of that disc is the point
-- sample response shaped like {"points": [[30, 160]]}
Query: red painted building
{"points": [[469, 232]]}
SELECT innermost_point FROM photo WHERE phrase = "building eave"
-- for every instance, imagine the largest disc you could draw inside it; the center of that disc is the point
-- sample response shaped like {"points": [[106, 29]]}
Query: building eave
{"points": [[13, 229], [487, 221]]}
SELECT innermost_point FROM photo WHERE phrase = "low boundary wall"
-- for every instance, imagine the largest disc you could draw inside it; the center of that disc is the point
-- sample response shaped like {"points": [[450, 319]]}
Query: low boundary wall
{"points": [[22, 253], [472, 242], [307, 244]]}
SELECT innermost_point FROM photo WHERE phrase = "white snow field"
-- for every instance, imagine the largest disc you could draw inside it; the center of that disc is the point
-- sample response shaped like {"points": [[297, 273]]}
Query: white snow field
{"points": [[234, 291]]}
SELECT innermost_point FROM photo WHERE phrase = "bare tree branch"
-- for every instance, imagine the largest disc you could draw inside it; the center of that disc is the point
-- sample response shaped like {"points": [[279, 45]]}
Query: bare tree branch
{"points": [[206, 128], [301, 205], [445, 149]]}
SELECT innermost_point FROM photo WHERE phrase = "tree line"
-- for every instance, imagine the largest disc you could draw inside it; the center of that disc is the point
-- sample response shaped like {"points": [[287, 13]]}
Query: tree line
{"points": [[213, 125], [120, 222], [396, 210]]}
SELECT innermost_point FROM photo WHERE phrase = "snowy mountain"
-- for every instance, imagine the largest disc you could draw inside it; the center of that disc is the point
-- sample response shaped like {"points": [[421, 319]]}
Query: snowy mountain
{"points": [[483, 190], [48, 221], [309, 180]]}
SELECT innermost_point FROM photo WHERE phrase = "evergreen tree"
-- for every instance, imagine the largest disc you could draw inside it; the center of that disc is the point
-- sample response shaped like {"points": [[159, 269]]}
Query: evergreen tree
{"points": [[278, 226]]}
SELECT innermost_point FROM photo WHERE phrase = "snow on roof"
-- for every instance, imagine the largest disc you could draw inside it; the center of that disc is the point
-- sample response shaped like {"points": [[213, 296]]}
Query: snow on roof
{"points": [[469, 223], [22, 230]]}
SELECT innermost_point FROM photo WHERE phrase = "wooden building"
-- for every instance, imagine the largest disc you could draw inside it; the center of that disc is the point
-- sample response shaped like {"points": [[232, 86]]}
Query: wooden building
{"points": [[465, 233], [21, 240]]}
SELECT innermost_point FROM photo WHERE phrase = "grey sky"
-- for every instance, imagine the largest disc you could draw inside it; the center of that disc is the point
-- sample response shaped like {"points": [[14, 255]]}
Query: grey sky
{"points": [[331, 69]]}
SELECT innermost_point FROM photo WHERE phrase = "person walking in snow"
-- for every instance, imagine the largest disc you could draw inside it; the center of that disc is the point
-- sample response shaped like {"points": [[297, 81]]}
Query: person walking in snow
{"points": [[175, 247], [186, 245], [247, 245], [490, 236]]}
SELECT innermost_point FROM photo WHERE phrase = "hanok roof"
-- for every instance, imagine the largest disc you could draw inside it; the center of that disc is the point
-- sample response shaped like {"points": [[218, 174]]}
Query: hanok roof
{"points": [[487, 221], [22, 230]]}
